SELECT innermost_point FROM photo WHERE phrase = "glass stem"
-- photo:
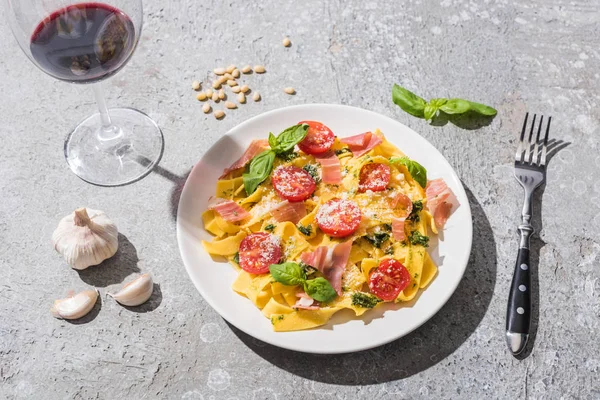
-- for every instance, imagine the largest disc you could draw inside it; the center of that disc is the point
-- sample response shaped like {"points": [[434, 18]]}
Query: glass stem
{"points": [[108, 131]]}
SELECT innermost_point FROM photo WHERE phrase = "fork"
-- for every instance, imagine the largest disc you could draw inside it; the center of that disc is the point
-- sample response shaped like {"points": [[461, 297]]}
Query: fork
{"points": [[530, 171]]}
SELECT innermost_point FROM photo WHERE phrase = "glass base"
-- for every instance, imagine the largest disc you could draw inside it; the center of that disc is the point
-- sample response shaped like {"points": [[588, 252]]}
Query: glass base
{"points": [[122, 154]]}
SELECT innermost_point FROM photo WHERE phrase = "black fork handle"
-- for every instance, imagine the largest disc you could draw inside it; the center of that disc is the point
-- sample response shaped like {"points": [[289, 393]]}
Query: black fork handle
{"points": [[518, 312]]}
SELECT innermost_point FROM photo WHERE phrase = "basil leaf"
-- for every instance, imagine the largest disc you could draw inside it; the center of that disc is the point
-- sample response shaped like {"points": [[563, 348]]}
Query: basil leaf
{"points": [[259, 170], [272, 141], [417, 171], [320, 289], [288, 273], [456, 106], [408, 101], [438, 102], [290, 138], [482, 109], [429, 112]]}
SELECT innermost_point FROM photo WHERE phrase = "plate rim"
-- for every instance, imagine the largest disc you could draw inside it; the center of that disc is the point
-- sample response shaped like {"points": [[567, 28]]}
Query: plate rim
{"points": [[355, 347]]}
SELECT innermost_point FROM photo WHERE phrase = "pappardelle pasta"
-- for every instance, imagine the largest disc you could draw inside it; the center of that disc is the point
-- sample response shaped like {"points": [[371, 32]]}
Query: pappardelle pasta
{"points": [[316, 224]]}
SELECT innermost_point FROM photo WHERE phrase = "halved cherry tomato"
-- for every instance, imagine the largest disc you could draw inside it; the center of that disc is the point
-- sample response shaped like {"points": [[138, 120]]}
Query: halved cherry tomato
{"points": [[258, 251], [293, 183], [374, 177], [395, 270], [338, 217], [318, 140], [389, 279], [383, 286]]}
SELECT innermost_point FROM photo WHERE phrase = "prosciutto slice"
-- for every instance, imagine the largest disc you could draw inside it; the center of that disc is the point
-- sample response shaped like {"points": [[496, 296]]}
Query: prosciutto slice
{"points": [[403, 201], [374, 141], [398, 228], [318, 258], [286, 211], [438, 201], [357, 142], [331, 261], [229, 210], [256, 147], [331, 168]]}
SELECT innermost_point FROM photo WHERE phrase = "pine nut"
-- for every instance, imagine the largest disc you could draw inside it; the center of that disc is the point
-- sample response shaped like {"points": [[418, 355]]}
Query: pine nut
{"points": [[236, 73], [241, 98], [245, 88], [206, 108], [286, 42], [219, 71], [216, 85], [247, 69], [230, 69], [230, 105], [222, 79], [201, 96], [221, 94], [256, 96], [209, 93], [289, 90], [259, 69], [219, 114], [228, 76], [196, 85], [215, 97], [236, 89], [232, 83]]}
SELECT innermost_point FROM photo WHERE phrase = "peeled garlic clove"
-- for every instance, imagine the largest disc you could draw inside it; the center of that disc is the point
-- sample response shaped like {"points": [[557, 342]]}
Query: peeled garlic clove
{"points": [[85, 238], [135, 292], [75, 306]]}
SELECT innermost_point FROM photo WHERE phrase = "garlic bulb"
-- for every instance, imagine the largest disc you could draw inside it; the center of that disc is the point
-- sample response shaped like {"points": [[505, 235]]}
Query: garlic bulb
{"points": [[135, 292], [85, 238], [75, 306]]}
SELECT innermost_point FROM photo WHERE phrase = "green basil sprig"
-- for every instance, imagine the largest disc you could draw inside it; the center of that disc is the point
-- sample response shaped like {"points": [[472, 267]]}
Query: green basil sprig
{"points": [[417, 171], [288, 273], [287, 139], [292, 274], [418, 107], [408, 101], [261, 166], [259, 170]]}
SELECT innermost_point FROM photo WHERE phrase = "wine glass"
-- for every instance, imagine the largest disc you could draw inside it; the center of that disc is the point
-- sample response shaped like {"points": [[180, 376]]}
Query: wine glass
{"points": [[83, 42]]}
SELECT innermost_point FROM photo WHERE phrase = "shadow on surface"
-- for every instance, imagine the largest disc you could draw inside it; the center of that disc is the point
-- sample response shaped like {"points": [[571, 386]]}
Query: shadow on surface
{"points": [[535, 248], [115, 269], [89, 317], [151, 304], [176, 193], [469, 120], [178, 182], [431, 343]]}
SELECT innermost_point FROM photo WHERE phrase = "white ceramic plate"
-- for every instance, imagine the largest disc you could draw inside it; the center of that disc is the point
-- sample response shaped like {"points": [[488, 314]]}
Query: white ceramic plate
{"points": [[344, 333]]}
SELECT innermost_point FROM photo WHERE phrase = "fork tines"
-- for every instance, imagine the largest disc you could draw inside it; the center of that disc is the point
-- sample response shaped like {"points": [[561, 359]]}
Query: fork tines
{"points": [[528, 151]]}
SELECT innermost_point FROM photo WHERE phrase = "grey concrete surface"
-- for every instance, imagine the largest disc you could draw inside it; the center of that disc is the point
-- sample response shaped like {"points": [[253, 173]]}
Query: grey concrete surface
{"points": [[541, 56]]}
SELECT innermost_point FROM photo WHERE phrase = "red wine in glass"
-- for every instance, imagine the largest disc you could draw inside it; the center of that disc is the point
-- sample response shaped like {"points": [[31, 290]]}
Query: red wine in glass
{"points": [[86, 42], [83, 42]]}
